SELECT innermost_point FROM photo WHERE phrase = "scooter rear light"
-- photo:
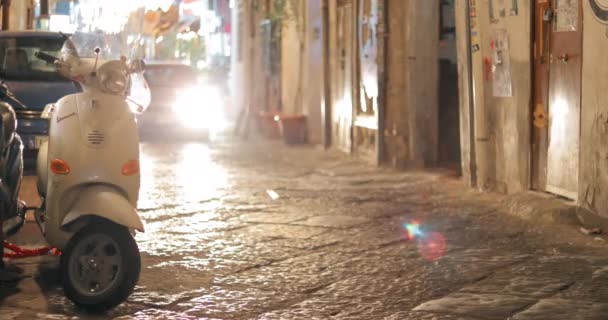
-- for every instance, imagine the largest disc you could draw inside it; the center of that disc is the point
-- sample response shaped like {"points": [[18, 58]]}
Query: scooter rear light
{"points": [[130, 168], [59, 166]]}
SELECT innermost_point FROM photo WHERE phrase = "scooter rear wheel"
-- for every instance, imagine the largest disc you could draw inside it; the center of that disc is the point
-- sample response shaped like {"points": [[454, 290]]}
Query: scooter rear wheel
{"points": [[100, 266]]}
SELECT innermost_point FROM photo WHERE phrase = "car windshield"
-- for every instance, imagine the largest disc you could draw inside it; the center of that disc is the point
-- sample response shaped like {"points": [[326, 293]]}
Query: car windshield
{"points": [[17, 60], [170, 76]]}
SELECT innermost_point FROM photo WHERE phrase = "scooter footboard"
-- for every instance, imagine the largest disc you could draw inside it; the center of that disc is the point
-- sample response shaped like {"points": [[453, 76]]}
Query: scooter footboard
{"points": [[105, 202]]}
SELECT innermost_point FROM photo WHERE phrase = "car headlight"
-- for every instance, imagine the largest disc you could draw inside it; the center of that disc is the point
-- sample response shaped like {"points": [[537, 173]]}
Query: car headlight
{"points": [[113, 77], [199, 109]]}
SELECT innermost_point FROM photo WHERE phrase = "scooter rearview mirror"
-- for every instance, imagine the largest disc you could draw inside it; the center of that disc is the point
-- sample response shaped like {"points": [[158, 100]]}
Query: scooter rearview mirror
{"points": [[97, 51], [3, 89], [137, 66]]}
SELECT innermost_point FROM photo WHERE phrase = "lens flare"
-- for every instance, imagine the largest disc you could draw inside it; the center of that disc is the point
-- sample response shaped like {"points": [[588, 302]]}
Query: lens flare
{"points": [[431, 245], [413, 230]]}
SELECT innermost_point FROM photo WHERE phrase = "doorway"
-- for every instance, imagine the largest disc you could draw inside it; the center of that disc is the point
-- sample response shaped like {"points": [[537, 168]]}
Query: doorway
{"points": [[557, 95], [449, 116]]}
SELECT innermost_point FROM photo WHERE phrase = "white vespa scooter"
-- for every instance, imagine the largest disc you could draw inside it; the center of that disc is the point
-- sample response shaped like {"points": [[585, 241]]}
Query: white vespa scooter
{"points": [[88, 178]]}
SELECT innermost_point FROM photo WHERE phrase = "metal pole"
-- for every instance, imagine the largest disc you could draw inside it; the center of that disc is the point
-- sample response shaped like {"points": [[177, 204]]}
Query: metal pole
{"points": [[327, 99], [471, 93]]}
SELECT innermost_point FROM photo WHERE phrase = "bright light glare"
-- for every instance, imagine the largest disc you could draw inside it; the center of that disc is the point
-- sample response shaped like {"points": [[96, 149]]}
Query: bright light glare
{"points": [[431, 245], [413, 230], [559, 118], [190, 175], [200, 109]]}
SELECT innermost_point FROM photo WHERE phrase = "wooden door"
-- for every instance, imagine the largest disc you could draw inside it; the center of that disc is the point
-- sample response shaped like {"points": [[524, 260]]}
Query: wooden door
{"points": [[565, 98], [542, 35], [558, 96]]}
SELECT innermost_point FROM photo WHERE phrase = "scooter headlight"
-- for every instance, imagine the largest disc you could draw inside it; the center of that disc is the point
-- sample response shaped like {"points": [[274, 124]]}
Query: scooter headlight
{"points": [[113, 77]]}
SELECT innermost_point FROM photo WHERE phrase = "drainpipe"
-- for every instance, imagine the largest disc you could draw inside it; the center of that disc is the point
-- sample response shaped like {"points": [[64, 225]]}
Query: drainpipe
{"points": [[482, 132], [471, 107], [382, 35], [327, 99], [6, 9]]}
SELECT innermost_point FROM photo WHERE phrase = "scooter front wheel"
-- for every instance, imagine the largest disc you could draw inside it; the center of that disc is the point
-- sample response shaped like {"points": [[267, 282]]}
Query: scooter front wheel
{"points": [[100, 266]]}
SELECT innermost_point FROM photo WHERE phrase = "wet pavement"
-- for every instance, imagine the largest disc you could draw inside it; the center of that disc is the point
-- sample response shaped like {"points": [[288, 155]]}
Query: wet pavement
{"points": [[263, 231]]}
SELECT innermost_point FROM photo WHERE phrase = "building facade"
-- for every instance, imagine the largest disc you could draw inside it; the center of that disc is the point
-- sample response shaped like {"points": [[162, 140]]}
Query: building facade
{"points": [[511, 94], [533, 80]]}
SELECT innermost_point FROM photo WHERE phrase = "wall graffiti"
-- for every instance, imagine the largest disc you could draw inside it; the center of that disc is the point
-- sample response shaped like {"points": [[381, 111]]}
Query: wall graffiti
{"points": [[368, 44], [600, 10]]}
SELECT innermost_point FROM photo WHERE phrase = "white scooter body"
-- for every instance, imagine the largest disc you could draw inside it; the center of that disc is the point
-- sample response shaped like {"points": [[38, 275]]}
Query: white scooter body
{"points": [[88, 170], [96, 135]]}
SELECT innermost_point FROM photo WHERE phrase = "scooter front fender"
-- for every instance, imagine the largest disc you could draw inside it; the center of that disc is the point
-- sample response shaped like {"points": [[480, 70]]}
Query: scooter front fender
{"points": [[106, 202]]}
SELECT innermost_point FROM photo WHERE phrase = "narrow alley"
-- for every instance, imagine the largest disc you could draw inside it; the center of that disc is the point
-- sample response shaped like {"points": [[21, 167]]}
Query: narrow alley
{"points": [[299, 233]]}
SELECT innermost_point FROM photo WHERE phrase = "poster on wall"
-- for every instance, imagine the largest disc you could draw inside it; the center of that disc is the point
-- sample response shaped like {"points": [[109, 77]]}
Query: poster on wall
{"points": [[501, 64], [368, 44], [566, 15]]}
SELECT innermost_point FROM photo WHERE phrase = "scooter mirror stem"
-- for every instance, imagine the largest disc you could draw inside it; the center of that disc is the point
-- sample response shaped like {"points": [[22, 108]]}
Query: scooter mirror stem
{"points": [[97, 51]]}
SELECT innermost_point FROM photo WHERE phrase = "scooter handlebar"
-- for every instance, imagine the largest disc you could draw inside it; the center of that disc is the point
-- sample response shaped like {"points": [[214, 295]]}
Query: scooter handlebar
{"points": [[45, 57], [5, 93]]}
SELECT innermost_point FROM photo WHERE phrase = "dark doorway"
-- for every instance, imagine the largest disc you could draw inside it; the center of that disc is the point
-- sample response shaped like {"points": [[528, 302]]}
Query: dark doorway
{"points": [[449, 122]]}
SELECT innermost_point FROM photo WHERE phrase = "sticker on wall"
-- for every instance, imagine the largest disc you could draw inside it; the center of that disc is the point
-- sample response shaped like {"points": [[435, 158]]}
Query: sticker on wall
{"points": [[501, 64], [491, 12], [514, 7], [487, 68], [502, 9], [368, 45], [473, 26], [540, 116], [566, 15]]}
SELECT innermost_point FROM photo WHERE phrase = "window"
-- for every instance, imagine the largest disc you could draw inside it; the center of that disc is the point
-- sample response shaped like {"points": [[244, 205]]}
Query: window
{"points": [[18, 62]]}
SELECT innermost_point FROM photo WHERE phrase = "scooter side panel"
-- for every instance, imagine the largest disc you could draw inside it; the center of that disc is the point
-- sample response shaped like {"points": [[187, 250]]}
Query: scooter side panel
{"points": [[96, 134]]}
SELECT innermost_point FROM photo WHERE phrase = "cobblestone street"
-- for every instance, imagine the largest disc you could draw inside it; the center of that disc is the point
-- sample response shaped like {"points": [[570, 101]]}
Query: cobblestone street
{"points": [[263, 231]]}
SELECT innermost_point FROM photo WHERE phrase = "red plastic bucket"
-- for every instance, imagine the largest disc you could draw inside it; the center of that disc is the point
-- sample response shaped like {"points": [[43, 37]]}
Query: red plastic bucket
{"points": [[268, 125], [293, 129]]}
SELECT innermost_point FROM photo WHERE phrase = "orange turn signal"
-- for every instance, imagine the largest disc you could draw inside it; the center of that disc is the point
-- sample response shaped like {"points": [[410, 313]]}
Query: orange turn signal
{"points": [[130, 168], [59, 166]]}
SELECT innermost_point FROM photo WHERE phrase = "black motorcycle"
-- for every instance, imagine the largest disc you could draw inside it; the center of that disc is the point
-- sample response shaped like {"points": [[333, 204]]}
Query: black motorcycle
{"points": [[11, 165]]}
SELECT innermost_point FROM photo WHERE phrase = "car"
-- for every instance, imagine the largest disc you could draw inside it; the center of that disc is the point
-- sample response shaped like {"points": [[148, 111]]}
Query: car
{"points": [[180, 107], [34, 82]]}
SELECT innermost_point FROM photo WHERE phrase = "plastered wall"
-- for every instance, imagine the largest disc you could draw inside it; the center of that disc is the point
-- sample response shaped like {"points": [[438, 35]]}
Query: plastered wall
{"points": [[411, 86], [501, 125], [293, 64], [593, 183], [313, 83]]}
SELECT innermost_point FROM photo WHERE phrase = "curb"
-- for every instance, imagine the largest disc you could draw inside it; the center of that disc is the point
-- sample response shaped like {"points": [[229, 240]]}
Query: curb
{"points": [[547, 208]]}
